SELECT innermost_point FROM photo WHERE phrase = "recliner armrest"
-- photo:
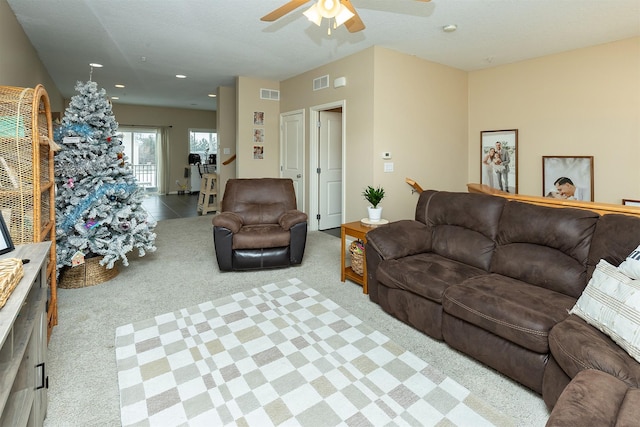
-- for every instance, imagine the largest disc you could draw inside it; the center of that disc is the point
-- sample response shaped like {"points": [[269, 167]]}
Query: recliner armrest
{"points": [[291, 218], [229, 220], [401, 238]]}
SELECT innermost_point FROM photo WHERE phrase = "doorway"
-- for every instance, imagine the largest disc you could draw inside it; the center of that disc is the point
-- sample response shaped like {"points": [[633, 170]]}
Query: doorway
{"points": [[292, 152], [141, 149], [327, 155]]}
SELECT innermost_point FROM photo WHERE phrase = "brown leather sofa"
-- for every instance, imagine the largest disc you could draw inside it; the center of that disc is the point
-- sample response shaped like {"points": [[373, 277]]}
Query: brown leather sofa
{"points": [[259, 226], [495, 279]]}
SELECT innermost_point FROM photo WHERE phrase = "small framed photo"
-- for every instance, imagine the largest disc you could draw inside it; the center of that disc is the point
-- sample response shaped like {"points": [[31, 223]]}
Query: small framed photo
{"points": [[258, 118], [568, 177], [499, 157], [6, 244], [258, 152], [631, 202], [258, 135]]}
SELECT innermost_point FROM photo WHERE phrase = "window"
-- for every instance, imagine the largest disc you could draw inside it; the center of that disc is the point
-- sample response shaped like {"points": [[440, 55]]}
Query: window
{"points": [[203, 142], [141, 149]]}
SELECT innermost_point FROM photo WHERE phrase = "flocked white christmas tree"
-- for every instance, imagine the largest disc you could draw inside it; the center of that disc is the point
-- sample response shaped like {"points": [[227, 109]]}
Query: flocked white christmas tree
{"points": [[98, 202]]}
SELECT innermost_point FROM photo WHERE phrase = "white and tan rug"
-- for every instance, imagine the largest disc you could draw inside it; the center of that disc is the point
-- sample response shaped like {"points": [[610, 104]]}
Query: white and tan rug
{"points": [[282, 355]]}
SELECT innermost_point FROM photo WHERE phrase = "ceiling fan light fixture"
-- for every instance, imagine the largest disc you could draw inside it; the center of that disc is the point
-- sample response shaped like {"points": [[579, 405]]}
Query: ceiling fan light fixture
{"points": [[313, 15], [329, 8], [343, 16]]}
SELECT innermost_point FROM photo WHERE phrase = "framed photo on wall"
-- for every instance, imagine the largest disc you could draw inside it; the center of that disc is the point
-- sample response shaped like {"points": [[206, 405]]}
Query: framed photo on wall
{"points": [[499, 157], [568, 177], [631, 202]]}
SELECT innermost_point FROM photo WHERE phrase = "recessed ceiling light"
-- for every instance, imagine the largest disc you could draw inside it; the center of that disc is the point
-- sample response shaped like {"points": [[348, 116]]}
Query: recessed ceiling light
{"points": [[119, 86], [212, 95], [96, 65], [181, 76], [449, 28]]}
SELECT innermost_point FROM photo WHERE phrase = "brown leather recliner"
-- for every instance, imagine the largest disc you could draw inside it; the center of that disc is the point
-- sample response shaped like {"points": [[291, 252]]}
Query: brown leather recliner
{"points": [[259, 225]]}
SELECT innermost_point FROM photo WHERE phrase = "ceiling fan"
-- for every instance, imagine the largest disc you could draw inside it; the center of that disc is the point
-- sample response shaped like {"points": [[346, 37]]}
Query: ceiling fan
{"points": [[341, 11]]}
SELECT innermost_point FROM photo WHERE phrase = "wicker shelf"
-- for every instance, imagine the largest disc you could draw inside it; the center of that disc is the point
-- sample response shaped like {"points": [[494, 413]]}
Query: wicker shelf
{"points": [[27, 193]]}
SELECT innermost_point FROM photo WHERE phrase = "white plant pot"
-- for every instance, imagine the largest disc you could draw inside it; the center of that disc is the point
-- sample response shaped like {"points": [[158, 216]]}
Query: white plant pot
{"points": [[375, 214]]}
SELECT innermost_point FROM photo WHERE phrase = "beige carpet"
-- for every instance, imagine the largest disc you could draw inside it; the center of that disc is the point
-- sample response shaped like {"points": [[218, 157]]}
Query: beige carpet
{"points": [[83, 382], [281, 354]]}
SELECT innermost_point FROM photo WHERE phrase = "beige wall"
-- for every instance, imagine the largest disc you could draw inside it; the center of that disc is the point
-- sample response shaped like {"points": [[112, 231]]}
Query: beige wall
{"points": [[394, 102], [420, 116], [298, 93], [20, 65], [248, 102], [180, 120], [226, 116], [584, 102]]}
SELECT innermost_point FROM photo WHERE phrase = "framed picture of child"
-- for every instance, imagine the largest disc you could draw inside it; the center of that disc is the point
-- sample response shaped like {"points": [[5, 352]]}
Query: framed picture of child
{"points": [[499, 157], [568, 177]]}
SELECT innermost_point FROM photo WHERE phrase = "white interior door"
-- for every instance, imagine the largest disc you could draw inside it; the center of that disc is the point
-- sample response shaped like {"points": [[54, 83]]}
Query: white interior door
{"points": [[292, 152], [330, 170]]}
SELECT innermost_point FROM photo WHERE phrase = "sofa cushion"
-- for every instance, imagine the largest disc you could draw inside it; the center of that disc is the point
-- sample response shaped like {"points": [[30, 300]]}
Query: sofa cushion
{"points": [[611, 303], [516, 311], [631, 266], [545, 246], [400, 239], [613, 239], [595, 398], [576, 346], [427, 275], [464, 226], [261, 236]]}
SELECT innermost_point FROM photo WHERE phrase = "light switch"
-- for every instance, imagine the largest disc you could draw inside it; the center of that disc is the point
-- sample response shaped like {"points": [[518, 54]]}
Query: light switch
{"points": [[388, 166], [226, 150]]}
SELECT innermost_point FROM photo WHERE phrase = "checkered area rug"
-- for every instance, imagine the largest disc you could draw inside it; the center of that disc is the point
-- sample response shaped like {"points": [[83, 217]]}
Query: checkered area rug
{"points": [[282, 355]]}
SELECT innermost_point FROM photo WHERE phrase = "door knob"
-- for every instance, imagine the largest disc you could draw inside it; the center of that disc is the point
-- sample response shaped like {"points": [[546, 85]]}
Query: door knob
{"points": [[299, 175]]}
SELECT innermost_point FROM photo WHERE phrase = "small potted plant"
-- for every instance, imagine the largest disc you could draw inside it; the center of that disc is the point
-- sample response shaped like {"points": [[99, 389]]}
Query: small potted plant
{"points": [[374, 196]]}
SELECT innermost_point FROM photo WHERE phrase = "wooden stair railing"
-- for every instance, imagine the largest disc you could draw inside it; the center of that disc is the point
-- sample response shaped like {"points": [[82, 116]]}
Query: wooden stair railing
{"points": [[415, 185], [229, 160], [601, 208]]}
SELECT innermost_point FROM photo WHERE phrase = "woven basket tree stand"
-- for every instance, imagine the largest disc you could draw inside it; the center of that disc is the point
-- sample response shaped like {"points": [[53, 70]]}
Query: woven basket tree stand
{"points": [[88, 274]]}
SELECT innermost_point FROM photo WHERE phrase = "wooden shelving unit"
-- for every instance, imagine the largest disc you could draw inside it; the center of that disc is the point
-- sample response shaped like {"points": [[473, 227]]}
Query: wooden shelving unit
{"points": [[23, 342], [27, 192]]}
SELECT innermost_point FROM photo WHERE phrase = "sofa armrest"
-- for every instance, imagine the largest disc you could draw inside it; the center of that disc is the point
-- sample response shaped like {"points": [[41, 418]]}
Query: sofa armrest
{"points": [[399, 239], [229, 220], [298, 242], [291, 218], [223, 243]]}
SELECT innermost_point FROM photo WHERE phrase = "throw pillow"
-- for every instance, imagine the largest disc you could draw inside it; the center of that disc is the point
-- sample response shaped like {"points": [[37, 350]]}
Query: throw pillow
{"points": [[611, 303], [631, 265]]}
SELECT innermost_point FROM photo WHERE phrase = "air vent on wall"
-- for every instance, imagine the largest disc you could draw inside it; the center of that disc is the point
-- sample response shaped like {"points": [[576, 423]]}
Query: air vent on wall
{"points": [[321, 82], [273, 95]]}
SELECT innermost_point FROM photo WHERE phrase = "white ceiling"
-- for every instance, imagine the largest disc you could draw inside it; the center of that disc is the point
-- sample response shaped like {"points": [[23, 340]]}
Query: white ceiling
{"points": [[212, 41]]}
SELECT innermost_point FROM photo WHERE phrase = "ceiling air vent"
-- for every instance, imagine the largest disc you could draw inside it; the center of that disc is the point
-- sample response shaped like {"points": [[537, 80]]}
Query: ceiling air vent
{"points": [[273, 95], [321, 82]]}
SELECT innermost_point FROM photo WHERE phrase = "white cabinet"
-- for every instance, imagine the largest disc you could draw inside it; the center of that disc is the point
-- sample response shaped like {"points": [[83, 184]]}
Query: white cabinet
{"points": [[194, 179], [23, 342]]}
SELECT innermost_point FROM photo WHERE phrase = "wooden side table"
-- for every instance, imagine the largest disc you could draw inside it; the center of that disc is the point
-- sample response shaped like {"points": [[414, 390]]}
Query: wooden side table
{"points": [[358, 230]]}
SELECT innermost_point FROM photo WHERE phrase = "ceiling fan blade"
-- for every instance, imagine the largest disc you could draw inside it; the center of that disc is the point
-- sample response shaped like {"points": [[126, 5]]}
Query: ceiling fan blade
{"points": [[283, 10], [354, 24]]}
